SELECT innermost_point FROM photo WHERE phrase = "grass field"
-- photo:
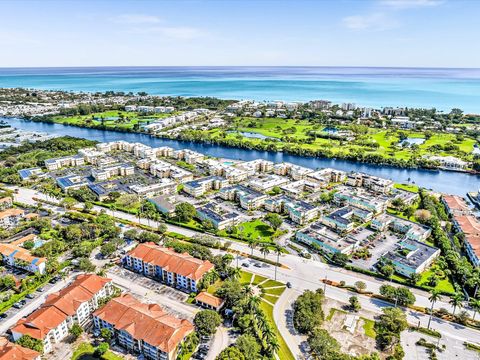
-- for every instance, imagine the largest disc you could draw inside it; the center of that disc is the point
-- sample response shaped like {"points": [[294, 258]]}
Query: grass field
{"points": [[110, 119], [368, 327], [245, 277], [386, 141], [256, 229], [85, 352], [444, 284]]}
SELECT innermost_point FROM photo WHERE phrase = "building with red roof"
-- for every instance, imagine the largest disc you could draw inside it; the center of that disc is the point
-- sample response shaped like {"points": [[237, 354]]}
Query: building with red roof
{"points": [[142, 328], [73, 304], [12, 351], [182, 271]]}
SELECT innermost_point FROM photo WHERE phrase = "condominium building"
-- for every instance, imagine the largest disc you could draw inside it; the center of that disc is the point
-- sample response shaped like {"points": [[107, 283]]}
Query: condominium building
{"points": [[111, 171], [410, 229], [11, 217], [27, 174], [178, 270], [219, 217], [248, 199], [142, 328], [298, 211], [71, 182], [411, 257], [361, 200], [161, 187], [12, 351], [73, 304], [199, 187], [13, 254], [58, 163]]}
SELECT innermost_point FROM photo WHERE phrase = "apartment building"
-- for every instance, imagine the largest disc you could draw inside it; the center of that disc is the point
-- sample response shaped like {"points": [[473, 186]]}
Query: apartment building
{"points": [[267, 183], [197, 188], [111, 171], [411, 257], [71, 182], [12, 351], [342, 220], [410, 229], [220, 218], [369, 182], [298, 211], [455, 205], [27, 174], [361, 200], [14, 255], [73, 304], [141, 328], [469, 225], [58, 163], [248, 199], [178, 270], [326, 239], [11, 217], [161, 187]]}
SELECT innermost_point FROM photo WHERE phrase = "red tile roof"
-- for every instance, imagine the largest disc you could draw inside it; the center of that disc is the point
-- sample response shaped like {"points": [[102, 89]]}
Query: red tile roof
{"points": [[58, 306], [209, 299], [182, 264], [469, 224], [147, 322], [12, 351], [455, 203], [11, 212]]}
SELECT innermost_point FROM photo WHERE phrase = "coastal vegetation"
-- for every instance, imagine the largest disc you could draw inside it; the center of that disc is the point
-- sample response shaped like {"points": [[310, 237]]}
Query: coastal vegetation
{"points": [[367, 144], [30, 155]]}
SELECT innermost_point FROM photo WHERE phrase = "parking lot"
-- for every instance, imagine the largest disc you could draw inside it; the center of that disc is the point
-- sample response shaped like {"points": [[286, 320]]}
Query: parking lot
{"points": [[151, 291], [451, 348], [385, 243]]}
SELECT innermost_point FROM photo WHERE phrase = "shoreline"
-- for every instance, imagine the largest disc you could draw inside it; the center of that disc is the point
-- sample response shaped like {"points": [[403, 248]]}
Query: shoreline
{"points": [[305, 154]]}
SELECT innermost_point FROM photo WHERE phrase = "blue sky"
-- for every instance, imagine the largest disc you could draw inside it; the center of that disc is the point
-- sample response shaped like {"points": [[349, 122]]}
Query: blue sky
{"points": [[424, 33]]}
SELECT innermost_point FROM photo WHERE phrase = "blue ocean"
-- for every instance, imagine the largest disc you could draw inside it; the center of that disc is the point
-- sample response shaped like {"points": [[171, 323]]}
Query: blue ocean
{"points": [[443, 89]]}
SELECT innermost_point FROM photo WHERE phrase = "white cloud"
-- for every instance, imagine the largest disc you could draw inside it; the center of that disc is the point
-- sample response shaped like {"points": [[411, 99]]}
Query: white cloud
{"points": [[410, 4], [376, 21], [170, 32], [136, 19]]}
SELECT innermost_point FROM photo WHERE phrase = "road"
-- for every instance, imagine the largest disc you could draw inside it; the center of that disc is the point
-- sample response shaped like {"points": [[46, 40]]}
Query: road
{"points": [[308, 274]]}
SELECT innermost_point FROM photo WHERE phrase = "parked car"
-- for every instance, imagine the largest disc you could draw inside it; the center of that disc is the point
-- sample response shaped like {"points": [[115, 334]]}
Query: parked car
{"points": [[3, 315], [30, 296], [289, 285], [17, 305], [245, 265], [40, 289]]}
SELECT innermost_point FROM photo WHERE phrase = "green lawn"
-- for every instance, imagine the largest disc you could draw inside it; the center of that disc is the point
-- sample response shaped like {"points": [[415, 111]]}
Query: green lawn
{"points": [[272, 283], [270, 298], [386, 141], [258, 279], [275, 291], [111, 119], [256, 229], [245, 277], [407, 187], [368, 327], [444, 284], [85, 352], [284, 353]]}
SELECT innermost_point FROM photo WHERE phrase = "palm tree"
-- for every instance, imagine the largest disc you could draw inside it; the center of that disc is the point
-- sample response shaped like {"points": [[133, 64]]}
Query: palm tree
{"points": [[273, 346], [252, 244], [475, 304], [434, 296], [264, 249], [278, 250], [247, 289], [235, 272], [456, 301], [253, 303]]}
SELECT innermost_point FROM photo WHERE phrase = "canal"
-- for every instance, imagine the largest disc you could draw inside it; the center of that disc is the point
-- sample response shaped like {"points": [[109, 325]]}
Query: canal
{"points": [[438, 180]]}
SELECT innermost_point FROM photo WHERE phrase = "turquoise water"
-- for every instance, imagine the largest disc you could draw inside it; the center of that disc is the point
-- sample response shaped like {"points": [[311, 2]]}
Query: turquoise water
{"points": [[443, 89]]}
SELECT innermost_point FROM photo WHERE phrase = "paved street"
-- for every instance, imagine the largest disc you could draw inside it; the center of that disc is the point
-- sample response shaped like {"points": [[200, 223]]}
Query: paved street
{"points": [[308, 274]]}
